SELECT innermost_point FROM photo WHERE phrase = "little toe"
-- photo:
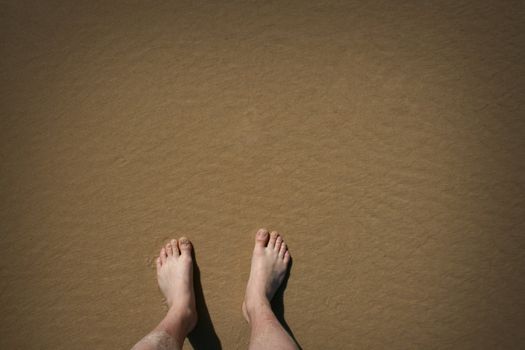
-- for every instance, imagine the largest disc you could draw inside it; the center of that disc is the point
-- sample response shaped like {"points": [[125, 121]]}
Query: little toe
{"points": [[282, 250], [175, 248], [261, 237], [185, 246], [287, 257], [158, 263], [273, 239], [163, 255]]}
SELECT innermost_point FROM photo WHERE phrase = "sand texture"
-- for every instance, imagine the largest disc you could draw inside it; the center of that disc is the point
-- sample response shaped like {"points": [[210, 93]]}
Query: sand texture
{"points": [[384, 139]]}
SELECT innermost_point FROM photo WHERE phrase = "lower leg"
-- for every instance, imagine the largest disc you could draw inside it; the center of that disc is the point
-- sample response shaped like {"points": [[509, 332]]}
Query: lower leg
{"points": [[169, 334], [269, 263], [175, 277], [267, 332], [157, 340]]}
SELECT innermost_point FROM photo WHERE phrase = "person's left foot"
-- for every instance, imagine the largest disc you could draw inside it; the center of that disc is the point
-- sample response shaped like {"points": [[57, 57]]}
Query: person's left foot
{"points": [[175, 277]]}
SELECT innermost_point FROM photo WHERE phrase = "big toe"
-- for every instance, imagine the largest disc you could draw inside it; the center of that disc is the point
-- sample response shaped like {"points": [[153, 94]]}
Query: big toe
{"points": [[261, 237], [185, 246]]}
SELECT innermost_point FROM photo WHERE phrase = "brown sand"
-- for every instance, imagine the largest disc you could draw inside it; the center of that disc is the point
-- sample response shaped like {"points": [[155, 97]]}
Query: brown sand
{"points": [[385, 141]]}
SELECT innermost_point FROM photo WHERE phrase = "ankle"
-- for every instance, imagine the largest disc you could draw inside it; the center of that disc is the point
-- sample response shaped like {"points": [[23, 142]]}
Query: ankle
{"points": [[181, 312], [179, 321], [257, 307]]}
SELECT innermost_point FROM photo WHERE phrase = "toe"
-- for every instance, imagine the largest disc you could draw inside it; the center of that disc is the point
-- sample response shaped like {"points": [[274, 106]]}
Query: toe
{"points": [[185, 246], [287, 257], [159, 265], [273, 239], [163, 255], [261, 237], [175, 247], [282, 250], [169, 250], [278, 243]]}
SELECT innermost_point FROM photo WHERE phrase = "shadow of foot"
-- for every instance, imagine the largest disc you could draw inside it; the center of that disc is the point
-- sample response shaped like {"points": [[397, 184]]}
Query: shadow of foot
{"points": [[203, 336], [278, 304]]}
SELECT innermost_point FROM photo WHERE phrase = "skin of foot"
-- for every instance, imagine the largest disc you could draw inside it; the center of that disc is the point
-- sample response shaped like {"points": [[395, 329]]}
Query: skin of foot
{"points": [[175, 278], [269, 264]]}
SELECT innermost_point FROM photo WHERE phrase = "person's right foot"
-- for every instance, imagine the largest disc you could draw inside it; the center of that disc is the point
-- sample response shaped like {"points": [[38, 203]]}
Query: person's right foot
{"points": [[269, 263]]}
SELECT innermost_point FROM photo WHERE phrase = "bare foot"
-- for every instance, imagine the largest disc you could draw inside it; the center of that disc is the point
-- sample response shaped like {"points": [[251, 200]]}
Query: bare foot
{"points": [[175, 277], [269, 263]]}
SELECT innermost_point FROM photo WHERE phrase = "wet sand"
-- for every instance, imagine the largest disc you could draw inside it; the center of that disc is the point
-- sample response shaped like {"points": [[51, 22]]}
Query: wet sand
{"points": [[386, 142]]}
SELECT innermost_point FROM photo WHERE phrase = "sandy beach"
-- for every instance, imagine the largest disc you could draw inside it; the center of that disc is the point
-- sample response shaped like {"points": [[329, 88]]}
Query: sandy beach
{"points": [[384, 140]]}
